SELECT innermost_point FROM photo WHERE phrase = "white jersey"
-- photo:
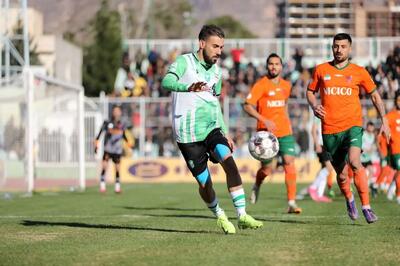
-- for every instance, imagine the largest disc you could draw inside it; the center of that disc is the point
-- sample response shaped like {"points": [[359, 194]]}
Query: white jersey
{"points": [[195, 114]]}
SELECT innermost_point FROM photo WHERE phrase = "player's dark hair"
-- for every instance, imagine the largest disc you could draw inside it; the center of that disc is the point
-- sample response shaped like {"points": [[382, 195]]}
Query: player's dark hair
{"points": [[116, 106], [211, 30], [370, 123], [274, 55], [342, 36]]}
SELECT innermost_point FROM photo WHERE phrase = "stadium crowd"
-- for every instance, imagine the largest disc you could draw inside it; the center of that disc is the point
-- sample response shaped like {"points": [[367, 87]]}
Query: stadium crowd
{"points": [[141, 75]]}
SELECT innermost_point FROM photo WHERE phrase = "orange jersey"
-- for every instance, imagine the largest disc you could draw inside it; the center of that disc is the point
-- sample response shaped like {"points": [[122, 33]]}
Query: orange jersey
{"points": [[393, 118], [339, 90], [270, 100], [382, 145]]}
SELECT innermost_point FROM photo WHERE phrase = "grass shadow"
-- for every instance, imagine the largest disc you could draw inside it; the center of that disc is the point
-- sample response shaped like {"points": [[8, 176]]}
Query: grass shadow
{"points": [[310, 222], [182, 216], [161, 209], [107, 226]]}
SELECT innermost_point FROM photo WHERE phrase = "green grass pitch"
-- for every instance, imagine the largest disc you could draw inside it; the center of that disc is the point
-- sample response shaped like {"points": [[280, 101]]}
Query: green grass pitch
{"points": [[167, 224]]}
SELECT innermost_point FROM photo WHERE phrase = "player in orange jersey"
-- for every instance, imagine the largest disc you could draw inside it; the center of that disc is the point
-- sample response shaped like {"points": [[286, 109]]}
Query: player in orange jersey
{"points": [[339, 83], [385, 176], [393, 118], [266, 102]]}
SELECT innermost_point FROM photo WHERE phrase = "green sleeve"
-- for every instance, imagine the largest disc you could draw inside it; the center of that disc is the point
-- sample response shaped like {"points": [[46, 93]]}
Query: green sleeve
{"points": [[175, 71], [218, 87], [222, 123]]}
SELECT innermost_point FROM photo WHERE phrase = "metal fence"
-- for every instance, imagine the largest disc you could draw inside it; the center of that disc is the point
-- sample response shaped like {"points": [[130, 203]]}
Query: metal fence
{"points": [[149, 121]]}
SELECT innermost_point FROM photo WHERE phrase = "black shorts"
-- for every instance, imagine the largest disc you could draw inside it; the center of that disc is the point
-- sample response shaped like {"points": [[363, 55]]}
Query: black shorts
{"points": [[116, 158], [196, 154], [324, 156]]}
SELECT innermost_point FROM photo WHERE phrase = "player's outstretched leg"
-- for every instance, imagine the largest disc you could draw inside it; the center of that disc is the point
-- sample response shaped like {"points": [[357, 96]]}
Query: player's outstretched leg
{"points": [[262, 173], [234, 183], [207, 193], [361, 183], [290, 181], [343, 181]]}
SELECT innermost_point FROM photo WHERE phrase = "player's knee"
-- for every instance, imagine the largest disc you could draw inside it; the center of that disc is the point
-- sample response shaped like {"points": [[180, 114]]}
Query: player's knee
{"points": [[289, 168], [341, 178], [203, 177], [222, 152], [355, 164]]}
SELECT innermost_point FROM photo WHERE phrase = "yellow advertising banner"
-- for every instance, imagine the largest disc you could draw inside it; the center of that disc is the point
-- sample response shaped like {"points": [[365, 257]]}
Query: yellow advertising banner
{"points": [[175, 170]]}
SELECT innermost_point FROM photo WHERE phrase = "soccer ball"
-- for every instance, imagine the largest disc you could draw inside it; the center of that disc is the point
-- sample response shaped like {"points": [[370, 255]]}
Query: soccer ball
{"points": [[263, 145]]}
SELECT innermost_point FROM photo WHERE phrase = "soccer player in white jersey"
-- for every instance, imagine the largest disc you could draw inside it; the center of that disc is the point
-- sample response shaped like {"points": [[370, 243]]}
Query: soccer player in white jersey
{"points": [[199, 129]]}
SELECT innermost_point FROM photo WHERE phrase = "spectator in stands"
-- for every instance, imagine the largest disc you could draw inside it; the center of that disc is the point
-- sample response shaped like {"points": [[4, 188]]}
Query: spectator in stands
{"points": [[236, 54], [124, 81], [298, 58]]}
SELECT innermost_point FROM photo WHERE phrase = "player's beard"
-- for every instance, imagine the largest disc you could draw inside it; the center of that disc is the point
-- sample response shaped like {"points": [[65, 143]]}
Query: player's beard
{"points": [[340, 60], [208, 59], [272, 76]]}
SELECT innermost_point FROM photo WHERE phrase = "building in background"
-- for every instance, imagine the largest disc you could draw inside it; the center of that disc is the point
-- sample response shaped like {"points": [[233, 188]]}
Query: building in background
{"points": [[323, 19], [60, 59]]}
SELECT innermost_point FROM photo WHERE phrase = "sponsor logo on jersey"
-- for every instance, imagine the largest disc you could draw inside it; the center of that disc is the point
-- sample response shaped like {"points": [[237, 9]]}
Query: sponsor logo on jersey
{"points": [[277, 103], [349, 79], [327, 77], [338, 75], [345, 91]]}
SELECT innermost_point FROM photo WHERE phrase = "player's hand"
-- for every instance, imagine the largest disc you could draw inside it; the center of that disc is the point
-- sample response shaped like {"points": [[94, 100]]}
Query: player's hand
{"points": [[269, 125], [231, 143], [318, 148], [198, 86], [385, 129], [319, 111]]}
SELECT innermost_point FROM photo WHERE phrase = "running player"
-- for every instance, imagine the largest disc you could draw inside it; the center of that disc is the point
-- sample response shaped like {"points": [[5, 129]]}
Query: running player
{"points": [[393, 118], [267, 102], [195, 81], [113, 146], [339, 83]]}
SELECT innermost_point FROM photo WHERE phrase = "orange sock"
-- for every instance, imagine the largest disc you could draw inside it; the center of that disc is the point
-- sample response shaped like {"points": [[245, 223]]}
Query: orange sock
{"points": [[290, 180], [385, 172], [397, 178], [344, 186], [390, 177], [361, 182], [329, 182], [350, 172]]}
